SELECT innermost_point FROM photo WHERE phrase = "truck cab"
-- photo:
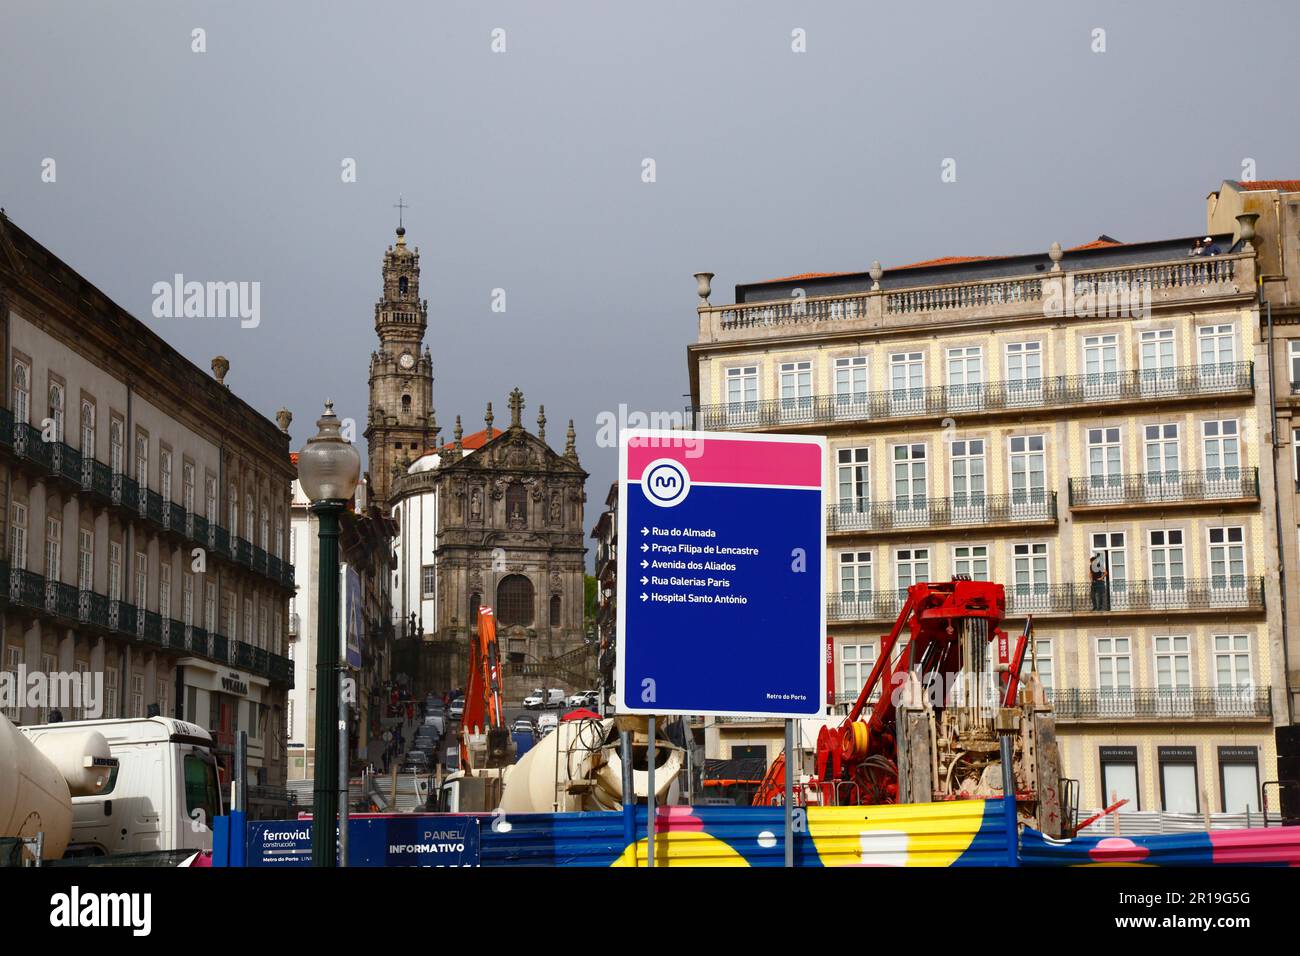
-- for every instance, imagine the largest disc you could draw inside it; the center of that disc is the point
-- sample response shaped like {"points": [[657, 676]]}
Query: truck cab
{"points": [[163, 794]]}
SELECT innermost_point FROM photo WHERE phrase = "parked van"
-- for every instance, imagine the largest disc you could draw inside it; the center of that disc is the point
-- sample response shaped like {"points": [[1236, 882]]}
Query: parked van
{"points": [[163, 794]]}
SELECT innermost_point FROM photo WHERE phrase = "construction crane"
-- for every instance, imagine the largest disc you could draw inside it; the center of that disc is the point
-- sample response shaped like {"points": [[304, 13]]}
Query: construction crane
{"points": [[484, 738], [932, 731]]}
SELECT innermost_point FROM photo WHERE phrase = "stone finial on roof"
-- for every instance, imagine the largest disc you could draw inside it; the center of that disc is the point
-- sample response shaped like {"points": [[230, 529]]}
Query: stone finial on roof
{"points": [[458, 434], [220, 366], [541, 422], [488, 419], [1055, 254], [434, 426], [571, 442], [516, 408], [703, 286], [876, 273], [284, 418]]}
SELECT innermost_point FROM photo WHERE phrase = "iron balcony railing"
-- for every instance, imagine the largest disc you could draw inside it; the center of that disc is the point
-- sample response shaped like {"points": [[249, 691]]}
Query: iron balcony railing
{"points": [[149, 626], [26, 589], [196, 528], [921, 512], [280, 669], [121, 617], [6, 428], [219, 540], [126, 493], [173, 634], [1168, 486], [1151, 702], [196, 640], [92, 609], [219, 648], [61, 600], [65, 461], [1170, 594], [941, 400], [259, 559], [153, 506], [96, 478], [1175, 594], [173, 517], [243, 655], [261, 660], [274, 568], [29, 444]]}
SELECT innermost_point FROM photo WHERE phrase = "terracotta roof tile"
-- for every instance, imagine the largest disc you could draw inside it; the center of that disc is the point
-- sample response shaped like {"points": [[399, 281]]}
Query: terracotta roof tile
{"points": [[944, 261], [806, 275], [471, 442], [1281, 185]]}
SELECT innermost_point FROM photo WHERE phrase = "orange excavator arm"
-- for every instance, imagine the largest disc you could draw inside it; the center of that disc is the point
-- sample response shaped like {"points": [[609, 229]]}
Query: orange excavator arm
{"points": [[484, 707]]}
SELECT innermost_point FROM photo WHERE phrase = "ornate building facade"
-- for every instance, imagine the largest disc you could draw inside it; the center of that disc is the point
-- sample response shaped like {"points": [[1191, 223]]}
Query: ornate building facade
{"points": [[491, 518]]}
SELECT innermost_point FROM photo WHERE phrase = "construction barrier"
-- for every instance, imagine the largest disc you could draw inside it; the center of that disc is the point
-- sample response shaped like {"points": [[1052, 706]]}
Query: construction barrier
{"points": [[1275, 846]]}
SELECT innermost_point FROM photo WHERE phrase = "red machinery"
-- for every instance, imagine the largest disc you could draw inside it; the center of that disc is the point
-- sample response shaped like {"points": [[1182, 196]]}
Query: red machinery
{"points": [[484, 719], [951, 690]]}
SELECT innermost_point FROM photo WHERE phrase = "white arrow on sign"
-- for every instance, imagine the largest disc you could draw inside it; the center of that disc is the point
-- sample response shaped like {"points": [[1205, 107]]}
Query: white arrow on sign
{"points": [[645, 547], [644, 596], [644, 579], [645, 564], [645, 530]]}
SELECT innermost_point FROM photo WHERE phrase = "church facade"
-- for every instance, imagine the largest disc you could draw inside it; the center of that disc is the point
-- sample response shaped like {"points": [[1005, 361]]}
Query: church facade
{"points": [[494, 517]]}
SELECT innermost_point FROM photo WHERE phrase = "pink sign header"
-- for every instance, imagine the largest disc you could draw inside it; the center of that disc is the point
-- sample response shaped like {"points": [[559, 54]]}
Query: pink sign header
{"points": [[731, 461]]}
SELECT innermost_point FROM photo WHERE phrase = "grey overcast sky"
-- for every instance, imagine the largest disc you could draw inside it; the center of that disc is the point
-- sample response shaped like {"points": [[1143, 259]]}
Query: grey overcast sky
{"points": [[523, 169]]}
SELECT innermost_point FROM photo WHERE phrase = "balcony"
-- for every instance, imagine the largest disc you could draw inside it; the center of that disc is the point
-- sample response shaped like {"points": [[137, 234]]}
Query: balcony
{"points": [[92, 609], [96, 479], [31, 447], [219, 540], [259, 559], [65, 462], [61, 600], [992, 398], [963, 511], [1191, 595], [26, 589], [280, 669], [122, 617], [1179, 487], [219, 648], [243, 656], [1149, 703], [125, 493], [1231, 592], [196, 640], [149, 627]]}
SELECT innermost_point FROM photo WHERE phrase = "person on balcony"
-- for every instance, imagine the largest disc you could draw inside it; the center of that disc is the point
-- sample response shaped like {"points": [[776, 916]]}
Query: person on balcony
{"points": [[1099, 574]]}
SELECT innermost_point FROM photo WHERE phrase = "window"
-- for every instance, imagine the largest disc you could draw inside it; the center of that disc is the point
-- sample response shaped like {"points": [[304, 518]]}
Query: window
{"points": [[966, 377], [1042, 659], [1174, 673], [87, 430], [1227, 558], [165, 475], [187, 487], [1029, 573], [18, 536], [210, 506], [911, 566], [165, 590], [1105, 464], [142, 460], [910, 487], [22, 393], [555, 611], [1222, 452], [966, 461], [856, 581], [853, 475], [163, 691], [1179, 792], [1239, 779], [263, 624], [114, 571], [1217, 355], [907, 382], [279, 532], [1234, 682], [856, 661], [1158, 375], [210, 607], [742, 394], [428, 581], [12, 661], [1293, 350], [116, 443], [250, 516], [231, 616], [53, 550], [971, 560], [1168, 562], [233, 510], [1108, 569], [1101, 365], [851, 386], [85, 560], [141, 582], [1114, 675], [187, 599], [1028, 468], [1024, 373], [137, 695], [248, 635], [1119, 776], [110, 692], [515, 601], [796, 390], [57, 410], [1161, 452], [266, 528]]}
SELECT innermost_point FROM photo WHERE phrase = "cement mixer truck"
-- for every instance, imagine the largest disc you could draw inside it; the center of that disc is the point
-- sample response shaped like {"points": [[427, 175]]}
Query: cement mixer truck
{"points": [[107, 787]]}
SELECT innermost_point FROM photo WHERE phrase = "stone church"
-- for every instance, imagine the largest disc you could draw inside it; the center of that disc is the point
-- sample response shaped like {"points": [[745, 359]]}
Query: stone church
{"points": [[494, 517]]}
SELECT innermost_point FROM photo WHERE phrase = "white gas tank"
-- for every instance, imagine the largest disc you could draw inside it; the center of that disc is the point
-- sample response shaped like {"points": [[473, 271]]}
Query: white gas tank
{"points": [[83, 757], [34, 797]]}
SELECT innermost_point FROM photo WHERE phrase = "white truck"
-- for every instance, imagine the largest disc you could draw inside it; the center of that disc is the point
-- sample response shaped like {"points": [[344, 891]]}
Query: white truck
{"points": [[133, 785]]}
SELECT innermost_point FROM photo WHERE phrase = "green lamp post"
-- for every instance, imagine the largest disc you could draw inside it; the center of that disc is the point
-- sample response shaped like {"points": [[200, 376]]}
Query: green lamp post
{"points": [[328, 470]]}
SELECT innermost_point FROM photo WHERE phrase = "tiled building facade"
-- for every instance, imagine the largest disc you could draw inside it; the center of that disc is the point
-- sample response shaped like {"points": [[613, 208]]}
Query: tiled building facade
{"points": [[985, 417]]}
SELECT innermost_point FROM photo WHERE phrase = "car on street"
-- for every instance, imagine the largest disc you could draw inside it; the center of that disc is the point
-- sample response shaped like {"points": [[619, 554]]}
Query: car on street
{"points": [[523, 725], [435, 722], [415, 761], [535, 699], [583, 698], [546, 723], [458, 708]]}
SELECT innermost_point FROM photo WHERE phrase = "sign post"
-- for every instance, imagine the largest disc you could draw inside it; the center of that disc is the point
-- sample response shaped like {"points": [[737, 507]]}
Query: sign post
{"points": [[722, 554]]}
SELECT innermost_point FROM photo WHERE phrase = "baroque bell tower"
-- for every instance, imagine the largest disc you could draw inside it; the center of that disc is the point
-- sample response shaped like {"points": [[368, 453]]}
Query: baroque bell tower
{"points": [[401, 424]]}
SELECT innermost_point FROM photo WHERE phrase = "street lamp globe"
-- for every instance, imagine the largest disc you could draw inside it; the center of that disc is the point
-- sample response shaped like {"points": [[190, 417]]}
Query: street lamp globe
{"points": [[328, 466]]}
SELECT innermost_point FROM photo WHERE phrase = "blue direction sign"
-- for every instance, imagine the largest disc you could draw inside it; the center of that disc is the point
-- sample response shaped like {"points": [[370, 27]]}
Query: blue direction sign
{"points": [[722, 604]]}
